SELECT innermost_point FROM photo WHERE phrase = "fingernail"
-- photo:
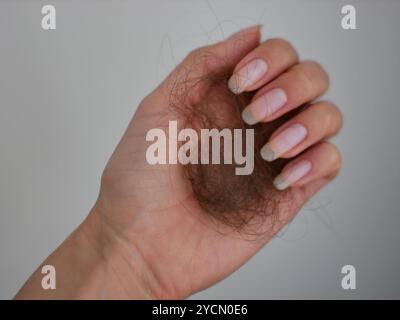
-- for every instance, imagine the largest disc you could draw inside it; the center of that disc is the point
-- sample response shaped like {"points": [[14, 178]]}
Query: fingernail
{"points": [[247, 76], [244, 31], [292, 174], [283, 142], [264, 106]]}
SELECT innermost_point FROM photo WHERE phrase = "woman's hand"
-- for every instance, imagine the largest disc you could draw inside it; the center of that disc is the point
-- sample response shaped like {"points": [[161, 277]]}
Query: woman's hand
{"points": [[147, 236]]}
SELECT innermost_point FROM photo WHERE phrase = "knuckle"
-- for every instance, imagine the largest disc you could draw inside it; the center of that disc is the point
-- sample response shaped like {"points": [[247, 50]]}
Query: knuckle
{"points": [[331, 117], [281, 43], [284, 47], [333, 155], [337, 116], [314, 78], [195, 54], [320, 74], [305, 79], [196, 63]]}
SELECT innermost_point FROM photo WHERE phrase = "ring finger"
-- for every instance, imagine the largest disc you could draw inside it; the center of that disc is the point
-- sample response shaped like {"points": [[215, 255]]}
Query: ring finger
{"points": [[319, 121]]}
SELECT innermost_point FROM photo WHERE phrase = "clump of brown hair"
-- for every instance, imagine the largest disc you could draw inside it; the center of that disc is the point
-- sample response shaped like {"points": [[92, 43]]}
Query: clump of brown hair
{"points": [[232, 199]]}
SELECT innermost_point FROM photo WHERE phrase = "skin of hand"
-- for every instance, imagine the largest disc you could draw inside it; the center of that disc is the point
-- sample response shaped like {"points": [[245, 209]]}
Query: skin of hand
{"points": [[146, 236]]}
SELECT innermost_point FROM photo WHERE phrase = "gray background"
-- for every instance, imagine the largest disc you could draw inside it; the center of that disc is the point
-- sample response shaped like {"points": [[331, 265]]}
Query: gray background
{"points": [[67, 95]]}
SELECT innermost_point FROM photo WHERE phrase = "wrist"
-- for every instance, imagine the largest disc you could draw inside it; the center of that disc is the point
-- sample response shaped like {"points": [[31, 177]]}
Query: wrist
{"points": [[120, 271], [92, 264]]}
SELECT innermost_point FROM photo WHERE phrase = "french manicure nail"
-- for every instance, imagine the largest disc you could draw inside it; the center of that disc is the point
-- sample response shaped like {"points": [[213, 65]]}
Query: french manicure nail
{"points": [[292, 174], [247, 76], [264, 106], [283, 142]]}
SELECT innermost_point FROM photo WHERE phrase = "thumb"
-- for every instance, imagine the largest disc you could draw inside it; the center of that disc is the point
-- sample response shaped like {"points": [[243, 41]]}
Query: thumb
{"points": [[223, 55], [236, 46]]}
